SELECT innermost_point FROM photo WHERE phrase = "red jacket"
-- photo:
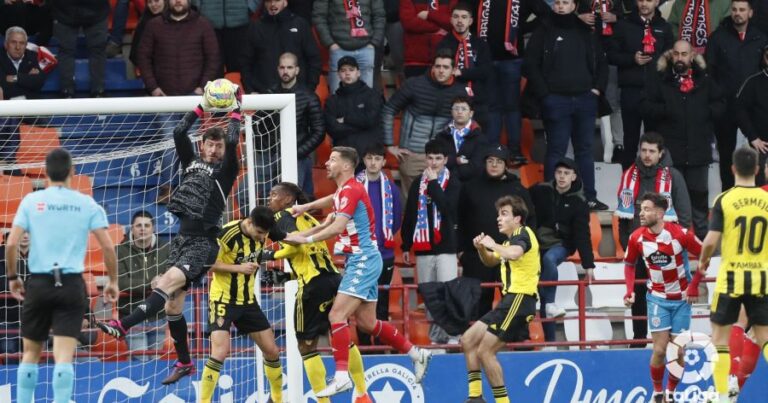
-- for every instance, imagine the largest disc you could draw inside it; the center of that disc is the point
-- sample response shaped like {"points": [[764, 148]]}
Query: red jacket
{"points": [[422, 36]]}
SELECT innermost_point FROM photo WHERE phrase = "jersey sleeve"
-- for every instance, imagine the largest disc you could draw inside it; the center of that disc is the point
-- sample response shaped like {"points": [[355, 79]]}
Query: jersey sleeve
{"points": [[347, 200], [692, 243], [227, 252], [21, 219], [98, 217], [523, 240], [716, 221], [632, 252]]}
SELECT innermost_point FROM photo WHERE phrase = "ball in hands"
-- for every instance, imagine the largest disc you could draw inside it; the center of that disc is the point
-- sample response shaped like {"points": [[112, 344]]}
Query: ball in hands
{"points": [[220, 93]]}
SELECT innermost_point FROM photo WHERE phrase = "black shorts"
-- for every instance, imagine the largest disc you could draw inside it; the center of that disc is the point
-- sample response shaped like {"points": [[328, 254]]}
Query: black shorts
{"points": [[509, 320], [313, 303], [725, 309], [193, 255], [247, 318], [47, 307]]}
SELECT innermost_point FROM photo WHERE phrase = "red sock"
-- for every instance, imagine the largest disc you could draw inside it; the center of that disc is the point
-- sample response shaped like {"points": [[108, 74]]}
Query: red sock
{"points": [[657, 377], [340, 340], [388, 335], [672, 382], [749, 356], [736, 345]]}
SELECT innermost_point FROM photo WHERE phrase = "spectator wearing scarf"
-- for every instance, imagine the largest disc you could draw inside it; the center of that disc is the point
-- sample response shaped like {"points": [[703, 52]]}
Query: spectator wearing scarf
{"points": [[466, 156], [705, 16]]}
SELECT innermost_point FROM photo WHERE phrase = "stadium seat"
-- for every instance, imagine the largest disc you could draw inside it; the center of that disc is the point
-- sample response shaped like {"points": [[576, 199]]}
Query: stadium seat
{"points": [[35, 142], [527, 138], [596, 234], [531, 174], [565, 295], [629, 331], [612, 295], [82, 183], [109, 349], [12, 190], [323, 152], [616, 237], [396, 295], [701, 325], [418, 328], [392, 162], [323, 185], [234, 76], [94, 257], [322, 90], [608, 177], [596, 328]]}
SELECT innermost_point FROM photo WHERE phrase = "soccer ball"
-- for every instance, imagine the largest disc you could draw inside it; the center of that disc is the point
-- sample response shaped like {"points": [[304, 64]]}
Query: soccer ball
{"points": [[220, 93]]}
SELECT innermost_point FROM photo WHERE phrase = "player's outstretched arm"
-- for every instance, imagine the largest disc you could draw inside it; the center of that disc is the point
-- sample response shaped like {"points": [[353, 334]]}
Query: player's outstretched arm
{"points": [[184, 147], [322, 203], [111, 291], [333, 229]]}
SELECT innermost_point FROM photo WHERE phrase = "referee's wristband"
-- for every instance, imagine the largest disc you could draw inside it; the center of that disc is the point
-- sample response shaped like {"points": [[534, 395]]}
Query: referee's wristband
{"points": [[13, 277], [310, 239]]}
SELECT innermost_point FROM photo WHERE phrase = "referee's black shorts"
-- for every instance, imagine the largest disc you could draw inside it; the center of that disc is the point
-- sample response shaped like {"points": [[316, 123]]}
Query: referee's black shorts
{"points": [[193, 255], [509, 320], [47, 307]]}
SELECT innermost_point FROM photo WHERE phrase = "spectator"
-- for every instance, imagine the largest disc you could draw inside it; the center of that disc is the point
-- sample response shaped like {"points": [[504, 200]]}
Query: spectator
{"points": [[651, 172], [178, 53], [429, 224], [388, 210], [734, 52], [394, 35], [683, 104], [425, 24], [119, 20], [350, 28], [310, 129], [477, 214], [279, 30], [698, 30], [468, 143], [752, 115], [10, 309], [140, 260], [426, 105], [636, 44], [353, 113], [472, 60], [760, 18], [34, 16], [301, 8], [154, 8], [69, 16], [563, 217], [230, 22], [21, 76], [567, 73], [499, 23]]}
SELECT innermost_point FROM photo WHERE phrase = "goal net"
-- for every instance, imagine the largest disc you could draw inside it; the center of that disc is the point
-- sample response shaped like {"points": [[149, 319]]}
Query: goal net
{"points": [[124, 157]]}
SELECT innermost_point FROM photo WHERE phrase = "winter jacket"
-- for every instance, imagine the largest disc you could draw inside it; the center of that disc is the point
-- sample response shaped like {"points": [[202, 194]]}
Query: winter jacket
{"points": [[481, 72], [332, 25], [752, 106], [473, 148], [497, 24], [730, 60], [138, 33], [360, 106], [564, 58], [681, 201], [310, 129], [563, 219], [392, 10], [718, 10], [178, 56], [27, 85], [760, 14], [422, 36], [224, 13], [426, 107], [270, 37], [452, 304], [627, 39], [136, 268], [302, 8], [685, 120], [446, 202], [77, 13]]}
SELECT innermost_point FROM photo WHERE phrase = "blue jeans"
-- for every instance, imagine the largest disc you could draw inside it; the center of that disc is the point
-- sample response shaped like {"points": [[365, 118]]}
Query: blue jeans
{"points": [[505, 103], [550, 259], [119, 19], [305, 177], [571, 119], [365, 59]]}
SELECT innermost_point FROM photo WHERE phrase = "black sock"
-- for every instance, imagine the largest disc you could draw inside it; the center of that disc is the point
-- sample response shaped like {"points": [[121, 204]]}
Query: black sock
{"points": [[178, 326], [149, 308]]}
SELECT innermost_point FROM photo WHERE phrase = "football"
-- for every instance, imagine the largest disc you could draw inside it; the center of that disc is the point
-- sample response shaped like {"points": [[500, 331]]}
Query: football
{"points": [[220, 93]]}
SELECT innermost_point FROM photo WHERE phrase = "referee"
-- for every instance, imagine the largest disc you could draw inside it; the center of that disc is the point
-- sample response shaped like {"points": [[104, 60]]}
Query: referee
{"points": [[58, 220]]}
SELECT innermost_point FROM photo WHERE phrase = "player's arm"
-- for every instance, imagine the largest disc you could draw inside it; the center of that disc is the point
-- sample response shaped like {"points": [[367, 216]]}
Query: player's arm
{"points": [[232, 163], [334, 227], [111, 291], [15, 284], [630, 257], [716, 223], [486, 256], [184, 147], [243, 268], [514, 251], [319, 204]]}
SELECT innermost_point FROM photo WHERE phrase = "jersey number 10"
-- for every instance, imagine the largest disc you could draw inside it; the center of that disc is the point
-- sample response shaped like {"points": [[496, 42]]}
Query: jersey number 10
{"points": [[757, 228]]}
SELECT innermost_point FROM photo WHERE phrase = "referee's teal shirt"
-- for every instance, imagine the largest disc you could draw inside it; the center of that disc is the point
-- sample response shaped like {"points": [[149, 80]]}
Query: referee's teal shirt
{"points": [[58, 220]]}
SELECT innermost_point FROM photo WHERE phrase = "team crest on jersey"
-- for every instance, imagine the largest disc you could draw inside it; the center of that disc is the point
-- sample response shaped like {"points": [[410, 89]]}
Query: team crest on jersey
{"points": [[393, 383], [220, 321]]}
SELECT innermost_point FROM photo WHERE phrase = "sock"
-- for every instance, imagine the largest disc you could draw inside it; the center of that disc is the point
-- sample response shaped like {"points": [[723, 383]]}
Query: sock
{"points": [[26, 380], [735, 345], [149, 308], [748, 360], [210, 379], [657, 377], [672, 382], [765, 351], [315, 369], [389, 335], [356, 370], [340, 343], [500, 394], [178, 326], [721, 369], [63, 382], [475, 380], [274, 372]]}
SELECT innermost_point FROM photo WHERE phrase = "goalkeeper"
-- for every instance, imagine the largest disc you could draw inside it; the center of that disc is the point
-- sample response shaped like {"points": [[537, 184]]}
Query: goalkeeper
{"points": [[199, 202], [318, 281]]}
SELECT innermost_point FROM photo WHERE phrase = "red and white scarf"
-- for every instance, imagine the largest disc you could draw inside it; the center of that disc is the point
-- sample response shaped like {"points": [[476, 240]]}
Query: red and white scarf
{"points": [[649, 42], [630, 187], [695, 23], [512, 23], [464, 56], [686, 81], [355, 17], [423, 233], [601, 7], [387, 206]]}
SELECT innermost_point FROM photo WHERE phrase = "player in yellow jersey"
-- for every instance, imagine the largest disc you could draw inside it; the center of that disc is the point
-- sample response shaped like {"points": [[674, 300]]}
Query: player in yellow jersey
{"points": [[318, 281], [740, 219], [232, 301], [518, 258]]}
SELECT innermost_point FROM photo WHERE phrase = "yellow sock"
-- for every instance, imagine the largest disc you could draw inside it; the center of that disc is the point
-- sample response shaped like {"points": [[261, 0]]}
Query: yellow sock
{"points": [[500, 394], [475, 380], [765, 351], [315, 369], [721, 369], [210, 379], [356, 370], [274, 372]]}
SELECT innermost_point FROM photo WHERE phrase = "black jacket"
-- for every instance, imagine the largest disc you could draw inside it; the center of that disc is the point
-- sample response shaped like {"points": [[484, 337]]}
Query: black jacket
{"points": [[446, 202], [310, 128], [563, 219], [79, 12], [271, 36], [28, 85], [452, 304], [627, 39], [565, 58], [481, 72], [752, 106], [685, 120], [360, 106], [730, 60], [473, 149]]}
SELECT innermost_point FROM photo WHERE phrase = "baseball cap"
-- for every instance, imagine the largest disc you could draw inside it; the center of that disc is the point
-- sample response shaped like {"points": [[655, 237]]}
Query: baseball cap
{"points": [[566, 162], [499, 151], [347, 61]]}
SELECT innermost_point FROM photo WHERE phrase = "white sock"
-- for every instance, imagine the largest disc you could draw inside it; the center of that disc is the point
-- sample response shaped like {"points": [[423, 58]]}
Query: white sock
{"points": [[414, 353], [341, 376]]}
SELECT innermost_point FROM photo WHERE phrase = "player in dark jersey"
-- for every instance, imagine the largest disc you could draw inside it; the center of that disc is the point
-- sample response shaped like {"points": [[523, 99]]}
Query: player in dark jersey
{"points": [[199, 202]]}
